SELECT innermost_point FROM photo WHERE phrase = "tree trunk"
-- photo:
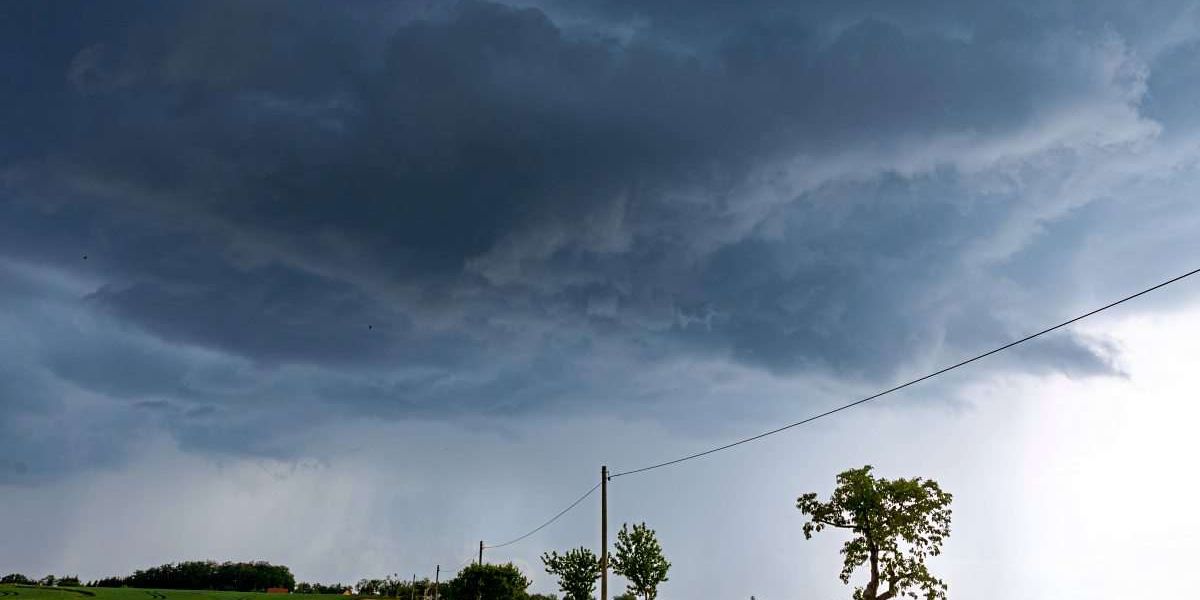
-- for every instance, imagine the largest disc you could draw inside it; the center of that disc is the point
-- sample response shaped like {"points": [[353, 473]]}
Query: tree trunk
{"points": [[872, 590]]}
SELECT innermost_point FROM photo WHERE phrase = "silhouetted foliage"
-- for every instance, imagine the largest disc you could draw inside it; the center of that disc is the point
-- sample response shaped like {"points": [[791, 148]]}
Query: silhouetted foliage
{"points": [[577, 572], [388, 586], [68, 581], [894, 525], [16, 578], [368, 587], [422, 588], [320, 588], [639, 558], [108, 582], [207, 575], [492, 582]]}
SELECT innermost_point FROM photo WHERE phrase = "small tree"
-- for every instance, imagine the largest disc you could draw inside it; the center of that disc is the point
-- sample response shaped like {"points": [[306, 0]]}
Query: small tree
{"points": [[391, 586], [489, 582], [639, 559], [369, 587], [895, 526], [577, 571]]}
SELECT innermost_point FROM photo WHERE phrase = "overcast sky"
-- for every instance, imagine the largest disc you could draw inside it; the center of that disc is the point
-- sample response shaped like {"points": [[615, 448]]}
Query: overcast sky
{"points": [[351, 286]]}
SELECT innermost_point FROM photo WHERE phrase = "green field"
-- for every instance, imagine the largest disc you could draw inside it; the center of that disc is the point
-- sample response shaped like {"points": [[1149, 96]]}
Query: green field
{"points": [[21, 592]]}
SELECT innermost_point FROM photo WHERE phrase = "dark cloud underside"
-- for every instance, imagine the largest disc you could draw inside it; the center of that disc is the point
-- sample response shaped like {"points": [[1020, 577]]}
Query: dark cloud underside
{"points": [[480, 209]]}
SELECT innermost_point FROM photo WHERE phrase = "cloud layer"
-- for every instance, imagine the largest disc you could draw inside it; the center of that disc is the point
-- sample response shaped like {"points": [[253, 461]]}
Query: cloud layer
{"points": [[230, 227]]}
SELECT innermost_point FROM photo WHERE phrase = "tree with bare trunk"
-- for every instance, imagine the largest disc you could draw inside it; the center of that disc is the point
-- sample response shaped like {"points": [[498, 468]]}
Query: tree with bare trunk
{"points": [[894, 524]]}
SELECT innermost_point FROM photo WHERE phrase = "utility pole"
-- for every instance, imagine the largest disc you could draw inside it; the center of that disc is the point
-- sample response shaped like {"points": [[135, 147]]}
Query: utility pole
{"points": [[481, 552], [436, 576], [604, 532], [413, 590]]}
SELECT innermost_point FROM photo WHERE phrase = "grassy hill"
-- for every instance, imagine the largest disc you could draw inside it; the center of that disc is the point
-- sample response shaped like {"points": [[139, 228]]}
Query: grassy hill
{"points": [[21, 592]]}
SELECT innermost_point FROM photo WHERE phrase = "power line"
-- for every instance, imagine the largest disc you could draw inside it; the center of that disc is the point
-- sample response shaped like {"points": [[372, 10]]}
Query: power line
{"points": [[463, 564], [907, 384], [552, 519], [844, 407]]}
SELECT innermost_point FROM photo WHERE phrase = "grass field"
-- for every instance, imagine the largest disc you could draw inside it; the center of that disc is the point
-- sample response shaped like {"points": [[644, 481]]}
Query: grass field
{"points": [[20, 592]]}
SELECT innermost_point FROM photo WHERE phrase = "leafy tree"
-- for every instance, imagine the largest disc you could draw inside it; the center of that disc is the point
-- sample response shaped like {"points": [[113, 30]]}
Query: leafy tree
{"points": [[320, 588], [894, 525], [391, 586], [15, 578], [369, 587], [421, 588], [69, 581], [577, 572], [639, 559], [207, 575], [49, 581], [489, 582]]}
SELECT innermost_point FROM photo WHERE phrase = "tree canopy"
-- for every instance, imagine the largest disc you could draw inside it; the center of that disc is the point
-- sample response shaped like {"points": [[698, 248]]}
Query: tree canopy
{"points": [[894, 524], [305, 587], [207, 575], [639, 559], [492, 582], [577, 571]]}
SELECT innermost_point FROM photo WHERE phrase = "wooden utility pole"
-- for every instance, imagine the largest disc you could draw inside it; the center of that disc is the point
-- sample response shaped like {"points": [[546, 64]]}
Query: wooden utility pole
{"points": [[479, 579], [604, 532], [413, 590], [436, 576]]}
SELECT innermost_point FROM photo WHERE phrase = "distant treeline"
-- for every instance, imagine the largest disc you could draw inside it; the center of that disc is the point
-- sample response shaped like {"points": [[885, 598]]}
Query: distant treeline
{"points": [[321, 588], [207, 575], [474, 581], [49, 580]]}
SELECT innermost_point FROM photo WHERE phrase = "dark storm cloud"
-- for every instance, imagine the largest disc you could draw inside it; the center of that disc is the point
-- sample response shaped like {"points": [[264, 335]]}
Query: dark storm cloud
{"points": [[484, 209]]}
